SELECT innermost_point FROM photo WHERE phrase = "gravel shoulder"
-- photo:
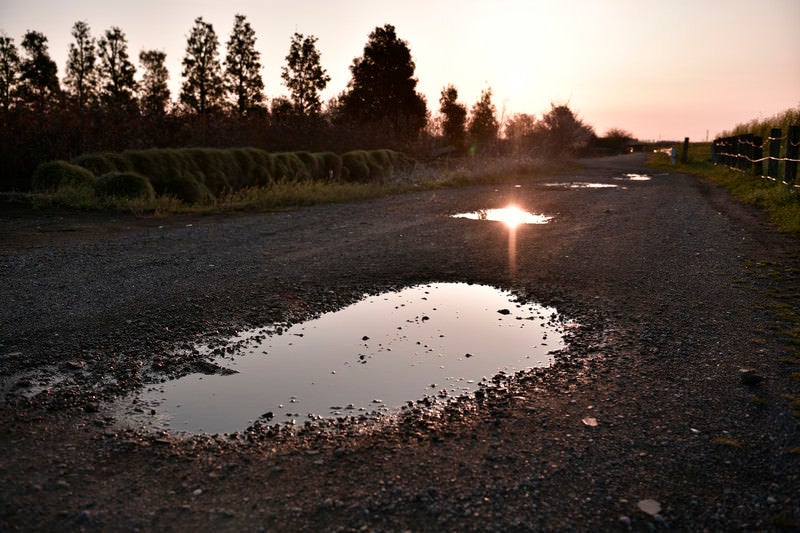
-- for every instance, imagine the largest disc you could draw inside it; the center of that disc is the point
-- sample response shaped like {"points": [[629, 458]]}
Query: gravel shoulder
{"points": [[671, 281]]}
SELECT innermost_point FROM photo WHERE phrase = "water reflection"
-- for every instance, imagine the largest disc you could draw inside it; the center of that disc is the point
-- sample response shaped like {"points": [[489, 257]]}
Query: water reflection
{"points": [[635, 177], [435, 340], [512, 216], [582, 185]]}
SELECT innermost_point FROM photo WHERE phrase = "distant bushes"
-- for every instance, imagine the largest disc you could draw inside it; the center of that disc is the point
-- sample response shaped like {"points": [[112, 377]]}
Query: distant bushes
{"points": [[54, 175], [125, 185], [197, 175]]}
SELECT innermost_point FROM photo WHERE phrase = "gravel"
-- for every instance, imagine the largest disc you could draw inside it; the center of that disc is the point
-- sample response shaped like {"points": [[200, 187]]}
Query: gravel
{"points": [[677, 362]]}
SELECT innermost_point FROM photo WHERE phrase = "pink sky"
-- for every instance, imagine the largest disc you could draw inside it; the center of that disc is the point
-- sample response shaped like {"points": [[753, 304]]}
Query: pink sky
{"points": [[661, 70]]}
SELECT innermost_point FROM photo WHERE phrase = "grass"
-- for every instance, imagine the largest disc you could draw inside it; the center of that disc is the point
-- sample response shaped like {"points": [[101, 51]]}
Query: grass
{"points": [[779, 201]]}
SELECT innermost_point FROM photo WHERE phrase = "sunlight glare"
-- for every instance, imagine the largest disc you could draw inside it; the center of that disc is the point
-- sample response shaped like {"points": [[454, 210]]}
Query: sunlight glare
{"points": [[512, 216]]}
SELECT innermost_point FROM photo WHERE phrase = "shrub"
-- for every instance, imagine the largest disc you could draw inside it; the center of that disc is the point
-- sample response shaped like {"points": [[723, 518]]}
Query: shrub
{"points": [[53, 175], [357, 167], [331, 165], [125, 185], [186, 189], [97, 164]]}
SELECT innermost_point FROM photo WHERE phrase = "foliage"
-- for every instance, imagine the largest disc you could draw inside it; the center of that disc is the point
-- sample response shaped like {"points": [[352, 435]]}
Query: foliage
{"points": [[124, 185], [520, 132], [243, 68], [304, 75], [116, 71], [383, 88], [762, 127], [615, 141], [81, 77], [38, 86], [202, 86], [564, 134], [454, 118], [153, 88], [9, 71], [52, 175], [483, 126]]}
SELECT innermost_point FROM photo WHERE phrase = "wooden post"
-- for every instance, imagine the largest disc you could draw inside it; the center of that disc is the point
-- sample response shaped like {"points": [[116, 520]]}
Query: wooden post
{"points": [[758, 153], [774, 152], [747, 145], [685, 154], [792, 150]]}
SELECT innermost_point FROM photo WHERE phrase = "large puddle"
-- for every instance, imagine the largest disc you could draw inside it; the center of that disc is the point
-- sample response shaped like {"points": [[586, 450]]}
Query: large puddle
{"points": [[429, 342], [511, 216]]}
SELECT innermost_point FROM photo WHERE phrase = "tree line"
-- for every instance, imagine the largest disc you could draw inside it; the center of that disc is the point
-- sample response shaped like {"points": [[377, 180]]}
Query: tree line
{"points": [[99, 105]]}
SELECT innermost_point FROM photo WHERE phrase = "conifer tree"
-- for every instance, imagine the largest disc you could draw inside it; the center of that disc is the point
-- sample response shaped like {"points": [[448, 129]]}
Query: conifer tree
{"points": [[38, 85], [9, 71], [118, 86], [304, 75], [243, 81], [202, 87], [153, 89], [81, 75]]}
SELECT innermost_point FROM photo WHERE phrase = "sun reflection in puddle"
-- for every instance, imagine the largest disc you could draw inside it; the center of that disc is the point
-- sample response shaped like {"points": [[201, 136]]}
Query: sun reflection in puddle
{"points": [[635, 177], [511, 216], [582, 185], [429, 341]]}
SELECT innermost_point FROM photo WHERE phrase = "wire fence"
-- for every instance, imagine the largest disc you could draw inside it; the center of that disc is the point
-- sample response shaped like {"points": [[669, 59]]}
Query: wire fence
{"points": [[747, 153]]}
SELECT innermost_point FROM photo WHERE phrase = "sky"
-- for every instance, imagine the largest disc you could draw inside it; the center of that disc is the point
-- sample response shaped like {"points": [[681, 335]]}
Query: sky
{"points": [[662, 70]]}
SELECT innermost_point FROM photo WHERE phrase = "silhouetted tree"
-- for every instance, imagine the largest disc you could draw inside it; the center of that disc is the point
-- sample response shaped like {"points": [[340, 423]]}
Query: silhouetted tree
{"points": [[483, 124], [39, 74], [243, 68], [9, 71], [304, 75], [153, 89], [118, 86], [454, 118], [81, 75], [520, 131], [383, 87], [615, 140], [202, 88], [563, 132]]}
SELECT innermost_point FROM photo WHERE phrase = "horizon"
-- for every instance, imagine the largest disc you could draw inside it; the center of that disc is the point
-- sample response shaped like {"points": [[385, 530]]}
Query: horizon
{"points": [[651, 69]]}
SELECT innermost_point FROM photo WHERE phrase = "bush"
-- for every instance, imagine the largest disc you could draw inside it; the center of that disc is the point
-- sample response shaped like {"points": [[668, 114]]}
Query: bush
{"points": [[125, 185], [53, 175], [186, 189], [97, 164], [331, 165], [357, 167]]}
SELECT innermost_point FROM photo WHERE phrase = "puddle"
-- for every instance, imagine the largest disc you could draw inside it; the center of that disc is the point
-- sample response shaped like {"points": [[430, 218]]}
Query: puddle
{"points": [[583, 185], [512, 216], [635, 177], [429, 342]]}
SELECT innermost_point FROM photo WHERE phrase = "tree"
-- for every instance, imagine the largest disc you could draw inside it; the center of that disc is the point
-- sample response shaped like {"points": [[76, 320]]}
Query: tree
{"points": [[615, 140], [116, 70], [304, 75], [153, 89], [81, 75], [454, 118], [520, 131], [9, 71], [564, 133], [243, 68], [483, 126], [39, 74], [202, 85], [383, 87]]}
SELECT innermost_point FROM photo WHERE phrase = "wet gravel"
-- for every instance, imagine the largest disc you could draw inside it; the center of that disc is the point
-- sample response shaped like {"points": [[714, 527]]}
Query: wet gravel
{"points": [[646, 422]]}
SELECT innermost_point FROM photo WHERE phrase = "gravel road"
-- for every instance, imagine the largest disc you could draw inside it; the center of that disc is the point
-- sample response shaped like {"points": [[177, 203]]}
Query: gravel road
{"points": [[646, 422]]}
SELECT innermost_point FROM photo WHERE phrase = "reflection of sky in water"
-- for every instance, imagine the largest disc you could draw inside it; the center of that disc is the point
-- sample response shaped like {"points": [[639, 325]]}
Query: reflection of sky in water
{"points": [[378, 353], [582, 185], [511, 216]]}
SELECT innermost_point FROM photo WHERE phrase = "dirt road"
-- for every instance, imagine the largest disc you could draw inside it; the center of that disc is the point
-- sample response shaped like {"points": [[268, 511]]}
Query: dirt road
{"points": [[669, 279]]}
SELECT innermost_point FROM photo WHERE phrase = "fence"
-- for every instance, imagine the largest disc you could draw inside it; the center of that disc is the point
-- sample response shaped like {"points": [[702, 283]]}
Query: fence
{"points": [[746, 153]]}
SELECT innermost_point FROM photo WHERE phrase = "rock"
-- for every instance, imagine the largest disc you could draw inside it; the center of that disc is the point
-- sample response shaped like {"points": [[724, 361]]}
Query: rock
{"points": [[651, 507]]}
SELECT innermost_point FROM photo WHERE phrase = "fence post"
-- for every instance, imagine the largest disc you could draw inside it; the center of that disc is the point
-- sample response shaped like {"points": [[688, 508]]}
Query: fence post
{"points": [[758, 154], [747, 162], [792, 149], [685, 154], [774, 152]]}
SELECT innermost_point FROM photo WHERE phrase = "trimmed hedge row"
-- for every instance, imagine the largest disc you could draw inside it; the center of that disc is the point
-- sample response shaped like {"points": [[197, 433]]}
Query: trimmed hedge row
{"points": [[194, 175]]}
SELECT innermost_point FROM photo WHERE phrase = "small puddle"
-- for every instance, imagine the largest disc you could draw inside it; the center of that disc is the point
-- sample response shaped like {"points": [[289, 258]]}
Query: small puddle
{"points": [[512, 216], [429, 342], [634, 177], [583, 185]]}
